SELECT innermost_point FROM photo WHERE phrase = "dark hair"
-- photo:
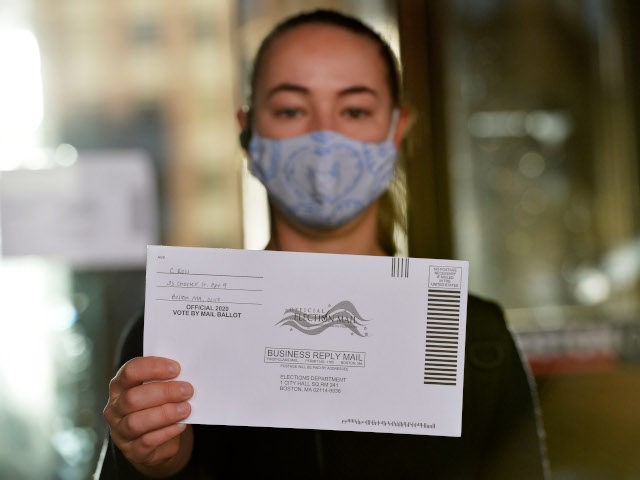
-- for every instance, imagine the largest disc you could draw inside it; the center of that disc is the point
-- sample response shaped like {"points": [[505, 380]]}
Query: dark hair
{"points": [[391, 210]]}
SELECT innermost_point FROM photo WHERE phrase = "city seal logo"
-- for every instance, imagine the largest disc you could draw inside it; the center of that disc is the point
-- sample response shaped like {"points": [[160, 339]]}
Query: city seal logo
{"points": [[315, 321]]}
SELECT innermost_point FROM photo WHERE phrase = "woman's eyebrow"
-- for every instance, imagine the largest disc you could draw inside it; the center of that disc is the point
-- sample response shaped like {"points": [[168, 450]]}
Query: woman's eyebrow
{"points": [[357, 89], [287, 87]]}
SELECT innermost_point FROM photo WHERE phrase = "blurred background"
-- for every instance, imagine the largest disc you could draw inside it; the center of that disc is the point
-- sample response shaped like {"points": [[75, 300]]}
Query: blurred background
{"points": [[117, 130]]}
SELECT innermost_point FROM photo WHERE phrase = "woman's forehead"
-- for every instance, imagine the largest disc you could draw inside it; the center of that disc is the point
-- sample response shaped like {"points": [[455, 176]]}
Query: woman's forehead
{"points": [[322, 53]]}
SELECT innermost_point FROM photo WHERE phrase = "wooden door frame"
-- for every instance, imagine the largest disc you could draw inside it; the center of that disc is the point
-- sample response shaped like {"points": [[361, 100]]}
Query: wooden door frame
{"points": [[429, 205]]}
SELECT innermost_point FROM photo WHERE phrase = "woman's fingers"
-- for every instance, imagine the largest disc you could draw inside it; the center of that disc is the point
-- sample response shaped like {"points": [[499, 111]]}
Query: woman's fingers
{"points": [[150, 395], [136, 408], [139, 424], [144, 408], [143, 369]]}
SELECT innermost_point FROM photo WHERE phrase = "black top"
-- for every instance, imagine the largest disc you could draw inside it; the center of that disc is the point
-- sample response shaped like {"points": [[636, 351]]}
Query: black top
{"points": [[501, 430]]}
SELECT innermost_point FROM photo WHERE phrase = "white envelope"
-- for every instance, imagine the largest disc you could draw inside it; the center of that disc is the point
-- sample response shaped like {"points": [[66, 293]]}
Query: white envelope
{"points": [[317, 341]]}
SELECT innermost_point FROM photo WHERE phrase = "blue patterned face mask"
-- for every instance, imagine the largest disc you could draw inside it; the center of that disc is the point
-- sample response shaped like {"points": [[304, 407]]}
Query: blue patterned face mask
{"points": [[323, 179]]}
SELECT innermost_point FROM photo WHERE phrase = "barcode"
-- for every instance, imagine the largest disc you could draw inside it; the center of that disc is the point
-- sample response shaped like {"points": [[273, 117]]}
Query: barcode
{"points": [[443, 329], [399, 267]]}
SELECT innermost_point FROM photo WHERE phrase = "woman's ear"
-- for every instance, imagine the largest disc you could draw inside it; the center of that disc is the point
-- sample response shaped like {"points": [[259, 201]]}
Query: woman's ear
{"points": [[405, 120], [242, 116]]}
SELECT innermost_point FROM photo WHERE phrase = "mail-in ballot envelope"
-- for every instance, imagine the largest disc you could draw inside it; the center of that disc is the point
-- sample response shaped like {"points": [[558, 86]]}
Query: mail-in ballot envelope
{"points": [[307, 340]]}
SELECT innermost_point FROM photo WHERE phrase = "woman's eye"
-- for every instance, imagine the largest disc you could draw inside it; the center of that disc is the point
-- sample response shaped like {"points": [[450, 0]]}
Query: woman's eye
{"points": [[356, 113], [288, 112]]}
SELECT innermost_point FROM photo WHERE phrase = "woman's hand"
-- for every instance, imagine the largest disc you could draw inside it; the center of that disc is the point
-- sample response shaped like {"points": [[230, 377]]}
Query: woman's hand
{"points": [[143, 416]]}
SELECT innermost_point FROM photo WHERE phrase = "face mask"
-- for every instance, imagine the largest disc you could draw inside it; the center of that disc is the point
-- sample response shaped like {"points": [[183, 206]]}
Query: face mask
{"points": [[323, 179]]}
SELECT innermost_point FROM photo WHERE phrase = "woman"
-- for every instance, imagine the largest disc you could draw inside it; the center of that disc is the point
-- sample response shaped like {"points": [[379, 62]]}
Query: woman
{"points": [[326, 84]]}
